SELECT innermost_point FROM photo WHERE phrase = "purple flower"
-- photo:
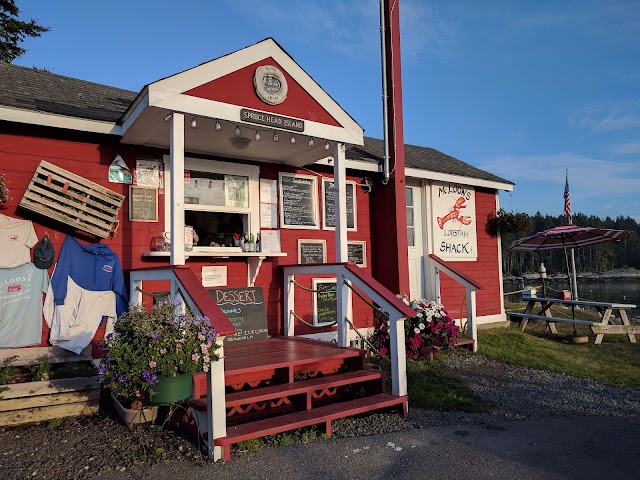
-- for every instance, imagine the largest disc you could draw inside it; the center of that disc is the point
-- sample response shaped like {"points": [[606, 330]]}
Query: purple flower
{"points": [[107, 359], [102, 370], [154, 378], [122, 378], [156, 336], [146, 375], [109, 337]]}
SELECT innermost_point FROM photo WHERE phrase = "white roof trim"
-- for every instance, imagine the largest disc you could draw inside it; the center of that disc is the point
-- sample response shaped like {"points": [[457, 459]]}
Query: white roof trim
{"points": [[165, 92], [425, 174], [58, 121], [448, 177]]}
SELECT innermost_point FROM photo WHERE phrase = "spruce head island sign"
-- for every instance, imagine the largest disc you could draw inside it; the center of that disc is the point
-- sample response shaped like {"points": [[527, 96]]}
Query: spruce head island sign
{"points": [[271, 120]]}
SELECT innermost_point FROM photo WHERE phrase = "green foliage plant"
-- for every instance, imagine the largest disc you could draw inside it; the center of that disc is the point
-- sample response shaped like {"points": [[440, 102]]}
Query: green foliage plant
{"points": [[41, 370], [8, 371], [147, 344], [14, 31]]}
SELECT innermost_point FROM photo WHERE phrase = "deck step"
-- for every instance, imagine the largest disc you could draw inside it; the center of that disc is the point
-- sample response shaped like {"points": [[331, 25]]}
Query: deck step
{"points": [[296, 388], [306, 418]]}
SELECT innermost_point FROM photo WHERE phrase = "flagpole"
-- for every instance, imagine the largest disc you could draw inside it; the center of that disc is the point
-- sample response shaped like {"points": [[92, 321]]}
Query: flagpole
{"points": [[567, 208]]}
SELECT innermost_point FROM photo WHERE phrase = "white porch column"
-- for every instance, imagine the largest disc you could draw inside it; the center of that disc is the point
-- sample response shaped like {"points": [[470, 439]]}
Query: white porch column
{"points": [[340, 188], [176, 169], [216, 412], [289, 305], [472, 327]]}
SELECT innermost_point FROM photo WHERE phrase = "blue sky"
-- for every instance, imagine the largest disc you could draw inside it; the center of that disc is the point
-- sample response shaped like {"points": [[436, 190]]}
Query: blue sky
{"points": [[522, 89]]}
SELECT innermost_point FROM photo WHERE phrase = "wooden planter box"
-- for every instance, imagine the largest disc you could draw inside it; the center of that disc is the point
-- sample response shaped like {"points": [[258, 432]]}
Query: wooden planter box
{"points": [[72, 200], [48, 399]]}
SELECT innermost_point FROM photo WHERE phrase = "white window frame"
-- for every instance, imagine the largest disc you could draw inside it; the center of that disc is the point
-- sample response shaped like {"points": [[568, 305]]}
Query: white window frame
{"points": [[252, 172]]}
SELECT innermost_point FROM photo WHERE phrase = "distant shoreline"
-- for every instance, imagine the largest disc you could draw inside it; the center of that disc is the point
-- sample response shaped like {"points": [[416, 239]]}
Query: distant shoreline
{"points": [[627, 274]]}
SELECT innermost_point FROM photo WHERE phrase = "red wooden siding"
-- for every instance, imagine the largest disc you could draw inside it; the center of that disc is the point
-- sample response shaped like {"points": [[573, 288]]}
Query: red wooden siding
{"points": [[485, 270], [236, 88], [20, 156]]}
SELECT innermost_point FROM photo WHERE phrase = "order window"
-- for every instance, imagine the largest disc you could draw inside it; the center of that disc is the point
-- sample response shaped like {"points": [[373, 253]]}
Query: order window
{"points": [[221, 200]]}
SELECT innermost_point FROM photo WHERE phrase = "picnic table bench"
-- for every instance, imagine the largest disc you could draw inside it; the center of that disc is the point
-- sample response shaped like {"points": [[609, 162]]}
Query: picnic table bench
{"points": [[604, 326]]}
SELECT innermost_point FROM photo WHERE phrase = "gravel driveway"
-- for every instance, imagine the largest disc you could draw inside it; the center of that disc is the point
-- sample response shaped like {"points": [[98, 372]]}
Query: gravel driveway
{"points": [[101, 447]]}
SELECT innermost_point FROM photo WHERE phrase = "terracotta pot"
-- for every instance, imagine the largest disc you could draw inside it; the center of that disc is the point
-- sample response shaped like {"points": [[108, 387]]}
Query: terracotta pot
{"points": [[131, 416]]}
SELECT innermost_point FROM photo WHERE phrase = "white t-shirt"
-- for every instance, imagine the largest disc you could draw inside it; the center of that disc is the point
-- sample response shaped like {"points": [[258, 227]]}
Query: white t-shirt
{"points": [[21, 290], [16, 239]]}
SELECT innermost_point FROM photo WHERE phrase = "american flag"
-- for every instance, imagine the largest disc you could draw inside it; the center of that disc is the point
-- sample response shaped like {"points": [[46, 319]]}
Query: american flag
{"points": [[567, 199]]}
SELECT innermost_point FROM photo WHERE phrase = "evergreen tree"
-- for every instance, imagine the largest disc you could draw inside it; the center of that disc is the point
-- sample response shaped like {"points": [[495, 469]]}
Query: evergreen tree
{"points": [[14, 31]]}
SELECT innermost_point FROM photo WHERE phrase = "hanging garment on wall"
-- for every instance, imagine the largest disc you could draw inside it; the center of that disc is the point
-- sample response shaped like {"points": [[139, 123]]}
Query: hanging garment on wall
{"points": [[16, 239], [94, 267], [74, 324], [21, 290]]}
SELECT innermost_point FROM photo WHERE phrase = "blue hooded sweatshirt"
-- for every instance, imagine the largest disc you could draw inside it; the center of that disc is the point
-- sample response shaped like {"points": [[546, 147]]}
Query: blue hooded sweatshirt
{"points": [[93, 267]]}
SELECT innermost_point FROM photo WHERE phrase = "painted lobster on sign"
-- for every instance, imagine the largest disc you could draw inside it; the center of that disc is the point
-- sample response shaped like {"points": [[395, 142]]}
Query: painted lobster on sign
{"points": [[454, 214]]}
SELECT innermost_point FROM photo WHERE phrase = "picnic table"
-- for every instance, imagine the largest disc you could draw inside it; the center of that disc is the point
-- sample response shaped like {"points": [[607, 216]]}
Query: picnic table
{"points": [[605, 309]]}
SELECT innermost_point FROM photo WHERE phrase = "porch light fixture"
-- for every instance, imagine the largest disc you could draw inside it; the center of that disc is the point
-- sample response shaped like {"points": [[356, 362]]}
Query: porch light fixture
{"points": [[237, 131], [194, 124], [311, 141], [258, 136], [218, 126], [293, 139], [275, 137], [326, 146]]}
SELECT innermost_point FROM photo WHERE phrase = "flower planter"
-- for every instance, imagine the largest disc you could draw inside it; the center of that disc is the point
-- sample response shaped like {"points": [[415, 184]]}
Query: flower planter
{"points": [[172, 389], [132, 417]]}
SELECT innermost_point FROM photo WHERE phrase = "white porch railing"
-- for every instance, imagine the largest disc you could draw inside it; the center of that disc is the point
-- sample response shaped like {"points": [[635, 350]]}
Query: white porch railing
{"points": [[350, 273], [186, 286], [436, 264]]}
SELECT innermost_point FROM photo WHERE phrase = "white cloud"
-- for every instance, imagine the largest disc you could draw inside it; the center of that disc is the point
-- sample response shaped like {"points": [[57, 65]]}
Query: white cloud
{"points": [[626, 148], [608, 117], [587, 176]]}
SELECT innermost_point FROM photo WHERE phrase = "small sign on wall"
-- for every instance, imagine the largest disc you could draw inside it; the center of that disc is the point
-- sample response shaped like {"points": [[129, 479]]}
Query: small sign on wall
{"points": [[214, 276], [325, 301], [143, 204], [312, 251], [357, 253]]}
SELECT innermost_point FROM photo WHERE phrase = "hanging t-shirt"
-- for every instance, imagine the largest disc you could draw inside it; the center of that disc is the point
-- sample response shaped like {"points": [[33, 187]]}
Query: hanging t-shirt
{"points": [[21, 290], [16, 239]]}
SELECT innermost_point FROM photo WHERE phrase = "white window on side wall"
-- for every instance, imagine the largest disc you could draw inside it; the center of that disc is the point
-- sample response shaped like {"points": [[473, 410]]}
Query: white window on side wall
{"points": [[221, 200]]}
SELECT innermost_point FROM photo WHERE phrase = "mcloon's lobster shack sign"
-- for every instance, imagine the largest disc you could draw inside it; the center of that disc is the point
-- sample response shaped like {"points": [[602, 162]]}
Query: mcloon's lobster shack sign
{"points": [[454, 228]]}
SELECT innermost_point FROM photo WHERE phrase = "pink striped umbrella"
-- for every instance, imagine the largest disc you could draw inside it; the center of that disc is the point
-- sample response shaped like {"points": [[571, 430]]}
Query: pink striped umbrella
{"points": [[566, 236]]}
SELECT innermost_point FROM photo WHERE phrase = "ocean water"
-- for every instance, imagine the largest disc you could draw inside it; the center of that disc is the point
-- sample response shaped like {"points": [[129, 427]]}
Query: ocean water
{"points": [[613, 290]]}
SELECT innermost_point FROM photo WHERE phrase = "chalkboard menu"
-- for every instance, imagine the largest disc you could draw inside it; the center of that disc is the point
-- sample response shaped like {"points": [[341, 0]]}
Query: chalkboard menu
{"points": [[357, 253], [325, 301], [330, 205], [143, 204], [312, 251], [244, 307], [298, 200]]}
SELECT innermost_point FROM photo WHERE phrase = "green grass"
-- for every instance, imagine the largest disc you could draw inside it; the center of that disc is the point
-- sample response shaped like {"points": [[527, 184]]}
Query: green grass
{"points": [[431, 386], [615, 361]]}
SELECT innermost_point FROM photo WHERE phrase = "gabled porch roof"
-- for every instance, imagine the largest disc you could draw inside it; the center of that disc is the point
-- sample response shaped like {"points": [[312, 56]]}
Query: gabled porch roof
{"points": [[216, 93]]}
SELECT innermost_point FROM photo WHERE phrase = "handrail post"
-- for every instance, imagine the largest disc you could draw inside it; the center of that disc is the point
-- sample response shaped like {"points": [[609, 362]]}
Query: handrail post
{"points": [[342, 291], [472, 328], [216, 411], [289, 304], [398, 356]]}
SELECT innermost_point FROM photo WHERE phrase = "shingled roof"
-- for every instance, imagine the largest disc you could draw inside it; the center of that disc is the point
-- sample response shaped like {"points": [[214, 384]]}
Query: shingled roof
{"points": [[46, 92]]}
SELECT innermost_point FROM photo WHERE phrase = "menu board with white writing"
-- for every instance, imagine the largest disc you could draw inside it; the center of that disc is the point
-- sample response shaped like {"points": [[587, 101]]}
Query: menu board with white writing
{"points": [[244, 307], [325, 301], [312, 251], [329, 206], [299, 201]]}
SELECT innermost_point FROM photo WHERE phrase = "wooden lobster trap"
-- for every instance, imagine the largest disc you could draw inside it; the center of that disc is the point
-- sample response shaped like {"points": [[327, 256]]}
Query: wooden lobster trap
{"points": [[72, 200]]}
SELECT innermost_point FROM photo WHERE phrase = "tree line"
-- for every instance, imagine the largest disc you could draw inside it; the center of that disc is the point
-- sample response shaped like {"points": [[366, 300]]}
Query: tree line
{"points": [[597, 258]]}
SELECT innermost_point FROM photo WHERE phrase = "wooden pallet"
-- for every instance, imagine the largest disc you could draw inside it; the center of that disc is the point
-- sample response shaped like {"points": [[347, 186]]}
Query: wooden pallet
{"points": [[72, 200], [48, 399]]}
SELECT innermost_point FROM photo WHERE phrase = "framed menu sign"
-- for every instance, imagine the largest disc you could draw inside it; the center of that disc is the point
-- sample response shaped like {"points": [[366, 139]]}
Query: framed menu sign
{"points": [[298, 201], [357, 253], [329, 206], [143, 204], [312, 251], [325, 301]]}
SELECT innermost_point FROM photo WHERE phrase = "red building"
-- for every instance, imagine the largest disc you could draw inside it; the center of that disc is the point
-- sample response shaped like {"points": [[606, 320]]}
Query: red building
{"points": [[248, 143]]}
